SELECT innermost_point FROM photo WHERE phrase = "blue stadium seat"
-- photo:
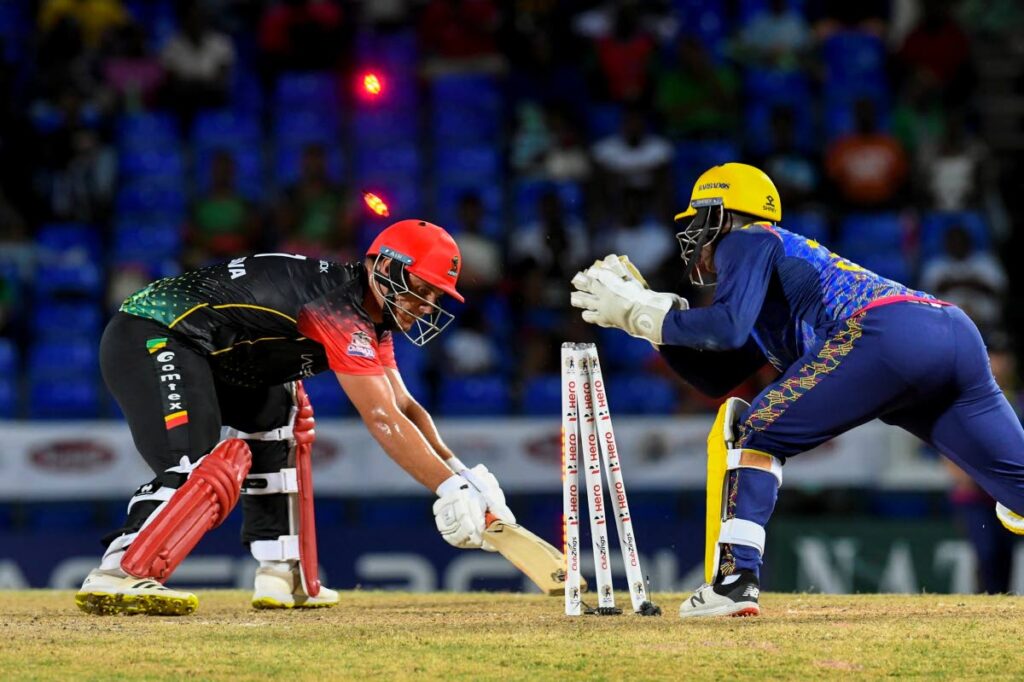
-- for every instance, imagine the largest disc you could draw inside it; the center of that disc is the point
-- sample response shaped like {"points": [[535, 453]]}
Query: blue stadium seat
{"points": [[890, 264], [603, 120], [693, 158], [64, 396], [474, 396], [61, 240], [226, 128], [384, 161], [542, 396], [9, 363], [58, 320], [419, 388], [249, 175], [810, 224], [146, 241], [636, 394], [491, 196], [472, 165], [409, 358], [8, 396], [146, 131], [298, 126], [307, 91], [155, 163], [148, 198], [467, 108], [528, 192], [73, 355], [748, 9], [759, 134], [619, 350], [395, 49], [81, 279], [326, 395], [935, 224], [777, 86], [288, 163], [854, 64], [871, 232], [385, 126], [839, 115], [706, 19], [246, 91]]}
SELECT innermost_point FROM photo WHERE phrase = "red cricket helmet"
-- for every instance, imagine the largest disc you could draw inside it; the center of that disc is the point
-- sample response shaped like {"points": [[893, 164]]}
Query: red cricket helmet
{"points": [[425, 249]]}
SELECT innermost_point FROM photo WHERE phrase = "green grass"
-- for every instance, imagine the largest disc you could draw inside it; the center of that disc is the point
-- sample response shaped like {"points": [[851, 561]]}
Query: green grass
{"points": [[387, 635]]}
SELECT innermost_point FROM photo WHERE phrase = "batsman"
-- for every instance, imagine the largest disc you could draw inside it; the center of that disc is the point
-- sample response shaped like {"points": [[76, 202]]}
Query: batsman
{"points": [[851, 346], [207, 368]]}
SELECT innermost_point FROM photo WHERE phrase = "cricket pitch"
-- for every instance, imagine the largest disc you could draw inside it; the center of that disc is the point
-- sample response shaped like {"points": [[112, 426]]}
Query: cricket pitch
{"points": [[480, 636]]}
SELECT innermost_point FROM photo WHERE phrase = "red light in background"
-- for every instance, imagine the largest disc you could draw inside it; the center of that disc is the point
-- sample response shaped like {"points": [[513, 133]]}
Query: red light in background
{"points": [[372, 84], [376, 204]]}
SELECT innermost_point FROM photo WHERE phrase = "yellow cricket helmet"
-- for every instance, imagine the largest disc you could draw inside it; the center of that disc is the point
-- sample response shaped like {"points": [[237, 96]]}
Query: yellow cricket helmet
{"points": [[729, 187], [736, 187]]}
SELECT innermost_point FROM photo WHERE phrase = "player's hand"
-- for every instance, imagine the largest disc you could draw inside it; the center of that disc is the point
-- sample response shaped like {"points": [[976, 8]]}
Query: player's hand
{"points": [[485, 482], [608, 300], [459, 513]]}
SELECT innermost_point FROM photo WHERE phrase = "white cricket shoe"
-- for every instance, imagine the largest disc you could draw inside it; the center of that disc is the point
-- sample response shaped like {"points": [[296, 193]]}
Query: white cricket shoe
{"points": [[107, 593], [738, 598], [284, 590]]}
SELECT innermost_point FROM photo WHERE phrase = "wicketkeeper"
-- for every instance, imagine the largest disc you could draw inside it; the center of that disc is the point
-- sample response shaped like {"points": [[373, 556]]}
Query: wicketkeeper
{"points": [[226, 346], [850, 344]]}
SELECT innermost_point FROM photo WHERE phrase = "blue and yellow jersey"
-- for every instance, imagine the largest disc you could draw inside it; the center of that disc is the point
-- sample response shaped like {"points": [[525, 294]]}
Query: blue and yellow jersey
{"points": [[783, 292]]}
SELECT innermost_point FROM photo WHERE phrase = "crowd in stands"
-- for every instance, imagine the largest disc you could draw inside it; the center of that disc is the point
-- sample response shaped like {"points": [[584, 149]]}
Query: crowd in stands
{"points": [[140, 137]]}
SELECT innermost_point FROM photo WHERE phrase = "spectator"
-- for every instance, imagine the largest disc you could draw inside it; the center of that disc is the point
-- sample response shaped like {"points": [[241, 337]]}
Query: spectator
{"points": [[940, 48], [796, 174], [461, 34], [128, 68], [95, 18], [312, 217], [867, 166], [775, 37], [547, 144], [223, 223], [555, 244], [470, 349], [198, 62], [481, 254], [301, 35], [973, 280], [919, 119], [697, 97], [625, 58], [634, 159], [953, 176], [828, 17], [637, 234]]}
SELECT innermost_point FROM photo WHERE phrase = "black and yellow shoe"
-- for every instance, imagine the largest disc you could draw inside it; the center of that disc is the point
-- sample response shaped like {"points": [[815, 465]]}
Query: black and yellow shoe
{"points": [[107, 593]]}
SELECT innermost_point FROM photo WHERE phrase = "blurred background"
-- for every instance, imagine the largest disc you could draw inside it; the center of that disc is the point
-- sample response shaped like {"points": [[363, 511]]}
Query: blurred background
{"points": [[140, 138]]}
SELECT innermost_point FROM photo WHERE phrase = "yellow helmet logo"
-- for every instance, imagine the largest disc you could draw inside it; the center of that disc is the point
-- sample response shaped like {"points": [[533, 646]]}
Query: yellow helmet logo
{"points": [[738, 187]]}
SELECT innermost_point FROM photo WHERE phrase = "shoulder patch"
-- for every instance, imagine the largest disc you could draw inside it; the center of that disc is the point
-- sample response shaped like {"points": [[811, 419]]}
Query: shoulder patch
{"points": [[361, 346]]}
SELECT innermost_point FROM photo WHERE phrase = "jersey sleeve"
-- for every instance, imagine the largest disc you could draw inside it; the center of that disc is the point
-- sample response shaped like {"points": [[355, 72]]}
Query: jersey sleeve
{"points": [[350, 342], [744, 261], [386, 351]]}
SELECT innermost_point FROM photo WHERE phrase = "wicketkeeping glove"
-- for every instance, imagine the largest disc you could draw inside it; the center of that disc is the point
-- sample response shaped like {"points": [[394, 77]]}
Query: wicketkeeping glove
{"points": [[609, 300], [459, 513]]}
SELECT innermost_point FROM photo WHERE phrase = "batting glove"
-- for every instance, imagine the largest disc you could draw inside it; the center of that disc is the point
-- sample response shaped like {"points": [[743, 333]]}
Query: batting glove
{"points": [[459, 513]]}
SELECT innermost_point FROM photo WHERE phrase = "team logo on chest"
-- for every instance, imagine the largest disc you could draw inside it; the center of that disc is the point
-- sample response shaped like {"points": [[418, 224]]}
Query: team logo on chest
{"points": [[361, 346]]}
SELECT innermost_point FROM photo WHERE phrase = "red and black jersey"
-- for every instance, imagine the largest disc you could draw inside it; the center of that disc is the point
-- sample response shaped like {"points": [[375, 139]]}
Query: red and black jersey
{"points": [[271, 318]]}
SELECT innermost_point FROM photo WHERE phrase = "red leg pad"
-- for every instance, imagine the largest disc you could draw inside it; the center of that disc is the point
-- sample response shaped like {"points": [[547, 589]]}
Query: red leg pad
{"points": [[200, 505]]}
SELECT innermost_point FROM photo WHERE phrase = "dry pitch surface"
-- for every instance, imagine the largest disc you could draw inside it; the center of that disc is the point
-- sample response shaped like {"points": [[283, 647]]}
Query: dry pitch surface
{"points": [[388, 635]]}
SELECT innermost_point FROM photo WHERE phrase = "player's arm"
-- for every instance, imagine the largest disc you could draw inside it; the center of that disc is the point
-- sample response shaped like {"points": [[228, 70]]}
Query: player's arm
{"points": [[744, 261], [712, 373], [400, 437], [417, 414]]}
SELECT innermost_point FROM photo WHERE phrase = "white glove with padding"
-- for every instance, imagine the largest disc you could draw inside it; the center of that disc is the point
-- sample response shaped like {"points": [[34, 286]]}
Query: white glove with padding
{"points": [[459, 513], [610, 299]]}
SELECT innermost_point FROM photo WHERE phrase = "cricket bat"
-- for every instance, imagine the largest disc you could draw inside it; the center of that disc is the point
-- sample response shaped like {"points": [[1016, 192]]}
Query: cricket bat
{"points": [[542, 563]]}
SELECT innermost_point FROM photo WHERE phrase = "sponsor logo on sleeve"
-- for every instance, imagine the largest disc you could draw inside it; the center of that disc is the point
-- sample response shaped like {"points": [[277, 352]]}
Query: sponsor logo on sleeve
{"points": [[361, 346]]}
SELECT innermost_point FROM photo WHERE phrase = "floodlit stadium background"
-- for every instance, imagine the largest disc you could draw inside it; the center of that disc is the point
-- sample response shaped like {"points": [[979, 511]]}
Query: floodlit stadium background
{"points": [[138, 138]]}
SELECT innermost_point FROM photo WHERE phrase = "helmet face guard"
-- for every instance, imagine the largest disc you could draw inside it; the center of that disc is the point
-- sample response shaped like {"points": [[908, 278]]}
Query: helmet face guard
{"points": [[426, 326], [702, 231]]}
